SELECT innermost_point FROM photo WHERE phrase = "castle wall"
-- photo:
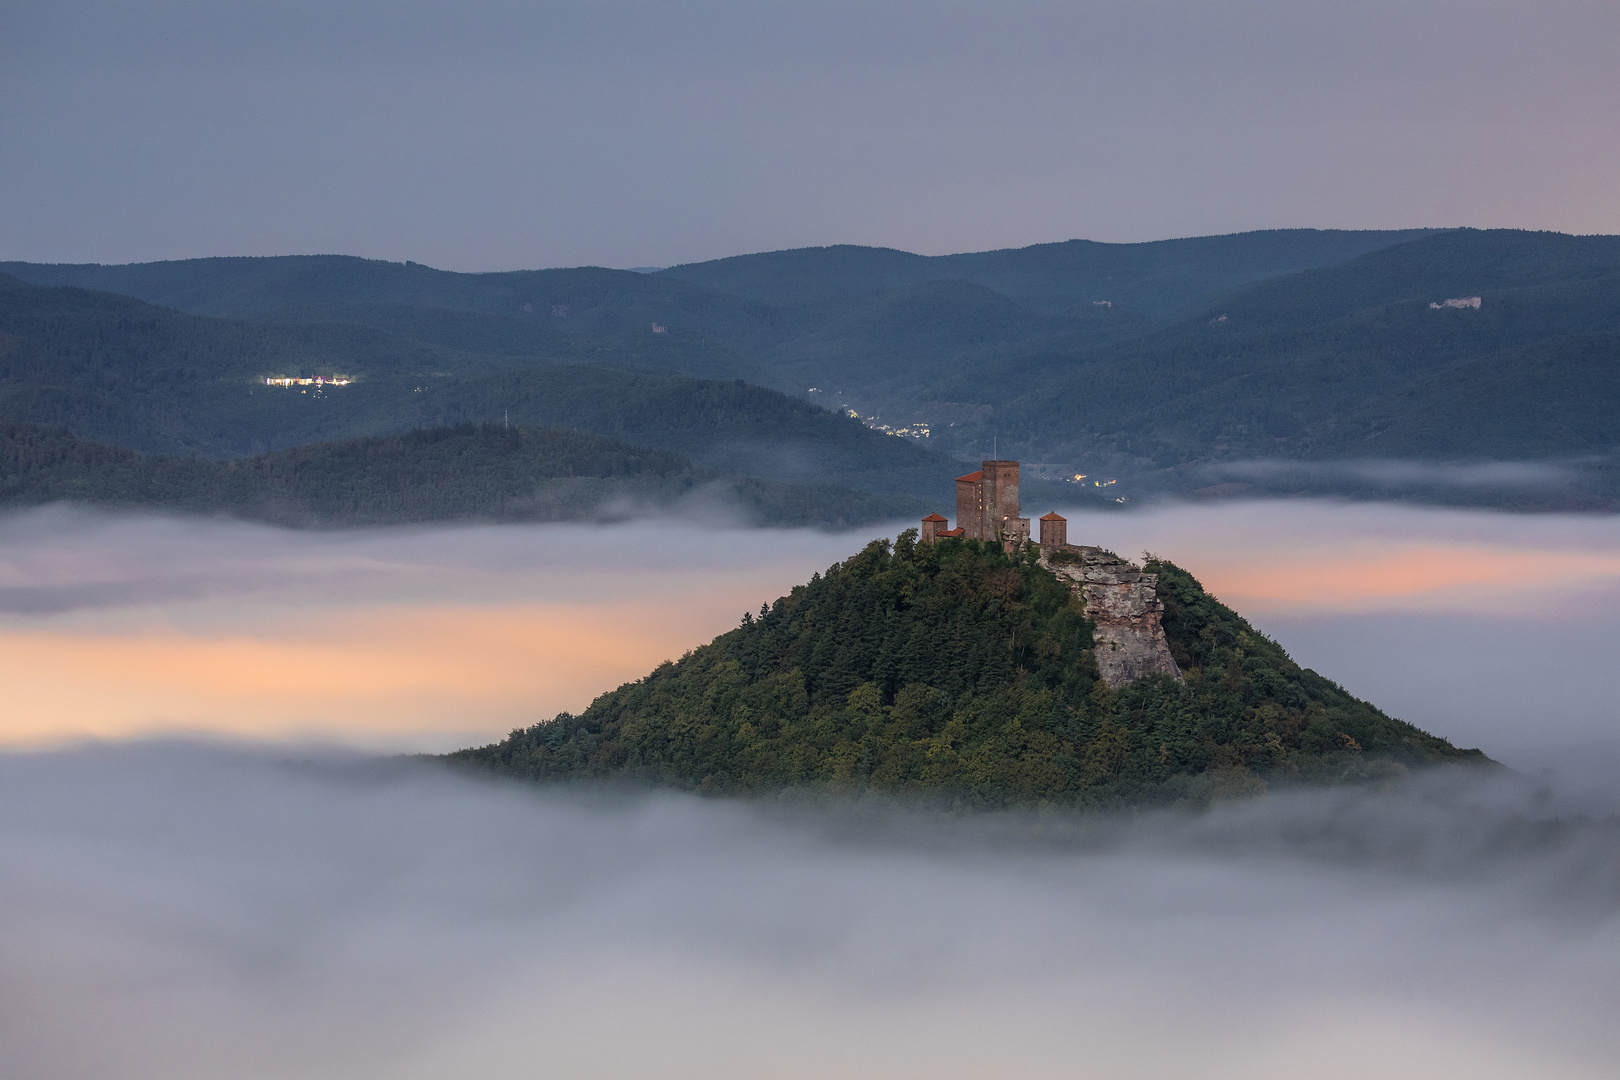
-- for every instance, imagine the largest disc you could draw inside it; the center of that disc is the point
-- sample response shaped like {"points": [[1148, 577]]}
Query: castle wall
{"points": [[1123, 602]]}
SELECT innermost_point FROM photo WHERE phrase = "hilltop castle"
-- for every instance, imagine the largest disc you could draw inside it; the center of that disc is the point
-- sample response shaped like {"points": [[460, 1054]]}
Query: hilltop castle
{"points": [[1120, 599], [986, 508]]}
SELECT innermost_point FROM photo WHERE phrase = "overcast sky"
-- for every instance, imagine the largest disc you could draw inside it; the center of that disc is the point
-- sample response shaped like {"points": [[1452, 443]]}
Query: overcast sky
{"points": [[497, 134]]}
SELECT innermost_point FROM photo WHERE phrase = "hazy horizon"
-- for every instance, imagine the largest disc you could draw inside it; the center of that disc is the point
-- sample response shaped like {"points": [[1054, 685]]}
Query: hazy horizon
{"points": [[497, 135], [732, 254]]}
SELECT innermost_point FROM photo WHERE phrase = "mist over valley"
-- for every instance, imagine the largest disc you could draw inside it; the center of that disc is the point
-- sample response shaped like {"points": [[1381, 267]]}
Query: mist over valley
{"points": [[179, 911], [907, 541], [229, 593]]}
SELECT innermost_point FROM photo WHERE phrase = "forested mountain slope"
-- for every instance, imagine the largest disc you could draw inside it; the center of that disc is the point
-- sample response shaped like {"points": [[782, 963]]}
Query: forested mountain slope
{"points": [[465, 472], [1211, 351], [117, 370], [1320, 364], [953, 670], [856, 320]]}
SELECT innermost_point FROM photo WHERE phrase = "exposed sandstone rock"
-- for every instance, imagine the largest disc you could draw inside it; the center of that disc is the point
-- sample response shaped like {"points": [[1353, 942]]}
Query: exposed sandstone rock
{"points": [[1124, 603]]}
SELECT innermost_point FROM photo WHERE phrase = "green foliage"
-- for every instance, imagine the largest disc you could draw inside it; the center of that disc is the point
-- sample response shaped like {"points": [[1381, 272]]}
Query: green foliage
{"points": [[955, 670], [485, 472], [1272, 715]]}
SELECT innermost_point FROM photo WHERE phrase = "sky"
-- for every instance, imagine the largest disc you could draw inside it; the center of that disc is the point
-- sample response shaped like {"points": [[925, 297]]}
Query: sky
{"points": [[497, 134]]}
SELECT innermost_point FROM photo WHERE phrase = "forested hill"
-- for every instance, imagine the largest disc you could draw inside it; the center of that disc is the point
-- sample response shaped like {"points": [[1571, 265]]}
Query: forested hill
{"points": [[1179, 366], [116, 370], [955, 671], [463, 472]]}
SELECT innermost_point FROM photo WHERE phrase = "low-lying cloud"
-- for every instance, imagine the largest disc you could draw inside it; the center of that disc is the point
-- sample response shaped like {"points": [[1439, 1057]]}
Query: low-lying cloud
{"points": [[179, 911], [423, 637], [185, 910], [1398, 473], [1490, 629]]}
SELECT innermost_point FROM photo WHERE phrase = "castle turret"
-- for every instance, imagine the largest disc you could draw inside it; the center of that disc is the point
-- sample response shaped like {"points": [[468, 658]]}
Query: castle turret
{"points": [[970, 516], [1054, 532], [932, 526]]}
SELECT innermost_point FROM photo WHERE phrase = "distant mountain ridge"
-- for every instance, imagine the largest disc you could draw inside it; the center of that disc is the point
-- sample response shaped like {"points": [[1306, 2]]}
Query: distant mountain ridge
{"points": [[1157, 365], [1157, 277]]}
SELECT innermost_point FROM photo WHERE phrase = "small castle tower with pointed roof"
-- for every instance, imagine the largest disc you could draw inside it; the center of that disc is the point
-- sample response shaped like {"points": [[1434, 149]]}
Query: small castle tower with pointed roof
{"points": [[1054, 532]]}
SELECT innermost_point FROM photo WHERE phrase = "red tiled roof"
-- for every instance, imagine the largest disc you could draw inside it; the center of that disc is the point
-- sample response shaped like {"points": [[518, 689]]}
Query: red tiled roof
{"points": [[971, 477], [1053, 516], [951, 532], [933, 517]]}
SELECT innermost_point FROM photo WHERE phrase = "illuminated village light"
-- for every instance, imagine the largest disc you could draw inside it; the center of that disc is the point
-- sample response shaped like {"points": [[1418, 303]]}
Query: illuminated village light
{"points": [[319, 380]]}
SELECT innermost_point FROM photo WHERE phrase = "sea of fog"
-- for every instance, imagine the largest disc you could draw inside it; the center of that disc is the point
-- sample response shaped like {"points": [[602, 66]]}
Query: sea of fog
{"points": [[207, 870], [182, 912]]}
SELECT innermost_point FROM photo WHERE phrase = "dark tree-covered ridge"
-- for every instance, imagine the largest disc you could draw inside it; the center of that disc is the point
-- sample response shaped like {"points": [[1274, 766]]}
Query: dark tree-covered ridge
{"points": [[955, 670], [457, 472]]}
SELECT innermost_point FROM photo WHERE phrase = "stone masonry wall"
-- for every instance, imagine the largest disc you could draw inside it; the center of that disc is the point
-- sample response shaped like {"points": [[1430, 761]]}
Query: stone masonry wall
{"points": [[1124, 603]]}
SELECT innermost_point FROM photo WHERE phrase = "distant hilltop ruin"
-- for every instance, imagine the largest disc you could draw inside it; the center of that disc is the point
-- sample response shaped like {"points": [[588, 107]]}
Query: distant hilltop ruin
{"points": [[1120, 598]]}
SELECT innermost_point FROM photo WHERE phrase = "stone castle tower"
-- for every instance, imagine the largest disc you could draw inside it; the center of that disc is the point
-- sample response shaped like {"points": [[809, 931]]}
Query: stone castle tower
{"points": [[1121, 600], [987, 504]]}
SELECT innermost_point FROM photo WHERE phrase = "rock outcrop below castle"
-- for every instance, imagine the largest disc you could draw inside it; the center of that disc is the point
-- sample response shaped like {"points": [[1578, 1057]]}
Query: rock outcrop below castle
{"points": [[1123, 602]]}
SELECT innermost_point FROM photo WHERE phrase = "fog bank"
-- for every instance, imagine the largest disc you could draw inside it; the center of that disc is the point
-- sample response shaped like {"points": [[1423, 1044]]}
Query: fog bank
{"points": [[175, 911], [1490, 629], [178, 910], [412, 638]]}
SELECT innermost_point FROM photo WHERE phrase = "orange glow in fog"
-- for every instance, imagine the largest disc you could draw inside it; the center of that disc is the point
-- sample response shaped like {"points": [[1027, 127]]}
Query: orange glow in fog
{"points": [[1419, 576], [463, 647], [369, 673]]}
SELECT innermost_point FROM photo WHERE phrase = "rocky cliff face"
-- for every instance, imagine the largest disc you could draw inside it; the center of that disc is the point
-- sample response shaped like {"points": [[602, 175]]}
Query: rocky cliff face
{"points": [[1123, 602]]}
